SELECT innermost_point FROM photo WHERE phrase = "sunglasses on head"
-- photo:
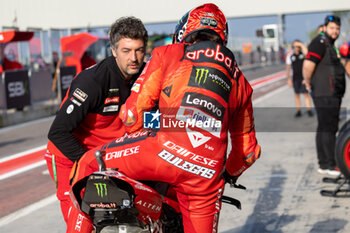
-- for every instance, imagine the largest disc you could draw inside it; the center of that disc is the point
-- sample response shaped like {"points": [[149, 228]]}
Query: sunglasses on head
{"points": [[332, 18]]}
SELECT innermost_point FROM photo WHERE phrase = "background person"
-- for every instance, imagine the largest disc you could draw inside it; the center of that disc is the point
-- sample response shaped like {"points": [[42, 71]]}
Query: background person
{"points": [[88, 115], [345, 54], [197, 74], [294, 62], [325, 76]]}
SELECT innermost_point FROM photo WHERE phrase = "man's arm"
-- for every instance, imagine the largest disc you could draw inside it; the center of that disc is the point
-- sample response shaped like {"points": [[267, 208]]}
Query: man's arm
{"points": [[347, 67], [288, 69], [83, 96], [302, 46], [308, 70], [245, 149]]}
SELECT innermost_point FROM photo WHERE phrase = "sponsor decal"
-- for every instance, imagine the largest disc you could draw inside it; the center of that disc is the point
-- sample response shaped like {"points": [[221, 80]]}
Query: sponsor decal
{"points": [[211, 79], [211, 52], [167, 90], [143, 187], [136, 87], [198, 118], [186, 166], [112, 100], [79, 222], [123, 153], [80, 95], [131, 138], [149, 205], [101, 189], [70, 109], [190, 155], [75, 101], [204, 103], [217, 207], [151, 120], [196, 138], [103, 205], [113, 90], [210, 22], [111, 108], [1, 37]]}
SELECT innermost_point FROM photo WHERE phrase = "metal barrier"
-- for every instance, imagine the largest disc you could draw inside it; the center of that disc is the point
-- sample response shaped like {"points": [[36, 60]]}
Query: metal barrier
{"points": [[2, 93], [40, 85], [20, 88], [65, 77]]}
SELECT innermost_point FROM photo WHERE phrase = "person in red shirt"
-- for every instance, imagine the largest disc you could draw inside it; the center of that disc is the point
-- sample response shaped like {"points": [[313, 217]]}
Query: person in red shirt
{"points": [[203, 99], [88, 115]]}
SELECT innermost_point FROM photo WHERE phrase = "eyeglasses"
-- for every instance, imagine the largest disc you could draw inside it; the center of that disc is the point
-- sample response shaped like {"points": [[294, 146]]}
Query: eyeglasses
{"points": [[332, 18]]}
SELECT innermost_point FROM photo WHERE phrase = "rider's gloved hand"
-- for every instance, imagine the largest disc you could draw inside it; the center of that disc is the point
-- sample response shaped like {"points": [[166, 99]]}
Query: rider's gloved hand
{"points": [[230, 179]]}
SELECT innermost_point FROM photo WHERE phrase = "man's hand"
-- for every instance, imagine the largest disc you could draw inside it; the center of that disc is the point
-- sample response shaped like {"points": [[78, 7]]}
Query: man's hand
{"points": [[307, 85], [308, 70]]}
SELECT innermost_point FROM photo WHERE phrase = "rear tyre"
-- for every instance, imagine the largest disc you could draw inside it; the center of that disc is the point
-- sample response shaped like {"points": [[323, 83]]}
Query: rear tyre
{"points": [[342, 150]]}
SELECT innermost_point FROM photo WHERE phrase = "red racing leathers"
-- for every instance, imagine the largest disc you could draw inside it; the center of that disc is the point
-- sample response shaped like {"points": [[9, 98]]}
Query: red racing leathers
{"points": [[201, 95]]}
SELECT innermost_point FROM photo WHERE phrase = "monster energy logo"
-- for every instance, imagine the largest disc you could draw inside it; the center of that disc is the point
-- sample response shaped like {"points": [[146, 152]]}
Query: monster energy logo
{"points": [[201, 74], [101, 189]]}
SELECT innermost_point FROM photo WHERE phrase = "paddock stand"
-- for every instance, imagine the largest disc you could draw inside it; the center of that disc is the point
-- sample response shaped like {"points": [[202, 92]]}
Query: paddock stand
{"points": [[338, 191]]}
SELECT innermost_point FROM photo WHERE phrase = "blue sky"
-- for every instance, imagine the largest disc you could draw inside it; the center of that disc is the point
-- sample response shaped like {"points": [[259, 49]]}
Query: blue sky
{"points": [[297, 26]]}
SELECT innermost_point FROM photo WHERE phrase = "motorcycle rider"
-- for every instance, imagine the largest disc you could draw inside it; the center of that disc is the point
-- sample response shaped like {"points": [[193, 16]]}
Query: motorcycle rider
{"points": [[202, 95], [88, 115]]}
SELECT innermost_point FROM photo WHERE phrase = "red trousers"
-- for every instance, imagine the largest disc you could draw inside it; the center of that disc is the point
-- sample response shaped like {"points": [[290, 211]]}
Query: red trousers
{"points": [[60, 169], [196, 178]]}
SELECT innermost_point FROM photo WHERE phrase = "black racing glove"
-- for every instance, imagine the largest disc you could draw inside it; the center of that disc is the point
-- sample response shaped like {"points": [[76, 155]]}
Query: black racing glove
{"points": [[230, 179]]}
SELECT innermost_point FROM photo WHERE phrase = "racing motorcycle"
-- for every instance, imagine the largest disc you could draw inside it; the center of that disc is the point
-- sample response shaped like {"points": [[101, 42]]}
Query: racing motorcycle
{"points": [[118, 204], [342, 157]]}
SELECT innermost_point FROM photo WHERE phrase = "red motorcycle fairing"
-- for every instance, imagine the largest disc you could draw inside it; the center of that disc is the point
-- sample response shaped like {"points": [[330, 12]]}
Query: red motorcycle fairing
{"points": [[146, 200]]}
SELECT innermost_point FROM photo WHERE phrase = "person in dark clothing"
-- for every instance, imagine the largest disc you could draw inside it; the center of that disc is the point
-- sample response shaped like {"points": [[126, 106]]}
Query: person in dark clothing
{"points": [[295, 62], [324, 76], [88, 115]]}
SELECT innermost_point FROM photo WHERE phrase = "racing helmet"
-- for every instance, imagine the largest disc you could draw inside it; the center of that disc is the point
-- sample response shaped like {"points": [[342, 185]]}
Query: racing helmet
{"points": [[206, 18]]}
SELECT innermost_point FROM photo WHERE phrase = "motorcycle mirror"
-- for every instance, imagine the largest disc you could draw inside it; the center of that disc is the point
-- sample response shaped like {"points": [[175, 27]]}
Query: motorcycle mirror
{"points": [[99, 158]]}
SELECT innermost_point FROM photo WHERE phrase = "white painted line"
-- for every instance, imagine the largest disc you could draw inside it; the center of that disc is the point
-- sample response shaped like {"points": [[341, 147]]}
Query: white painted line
{"points": [[266, 76], [27, 210], [23, 169], [268, 82], [269, 95], [23, 153]]}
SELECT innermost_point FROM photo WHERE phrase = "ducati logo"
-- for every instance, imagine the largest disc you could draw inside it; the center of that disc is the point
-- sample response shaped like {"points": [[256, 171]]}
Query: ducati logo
{"points": [[130, 120], [196, 138]]}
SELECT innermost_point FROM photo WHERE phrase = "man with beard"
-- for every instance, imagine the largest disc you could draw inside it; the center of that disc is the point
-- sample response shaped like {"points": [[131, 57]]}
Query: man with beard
{"points": [[88, 115], [324, 76]]}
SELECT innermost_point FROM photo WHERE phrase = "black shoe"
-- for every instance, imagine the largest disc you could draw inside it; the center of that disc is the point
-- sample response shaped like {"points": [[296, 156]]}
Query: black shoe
{"points": [[310, 113], [298, 114]]}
